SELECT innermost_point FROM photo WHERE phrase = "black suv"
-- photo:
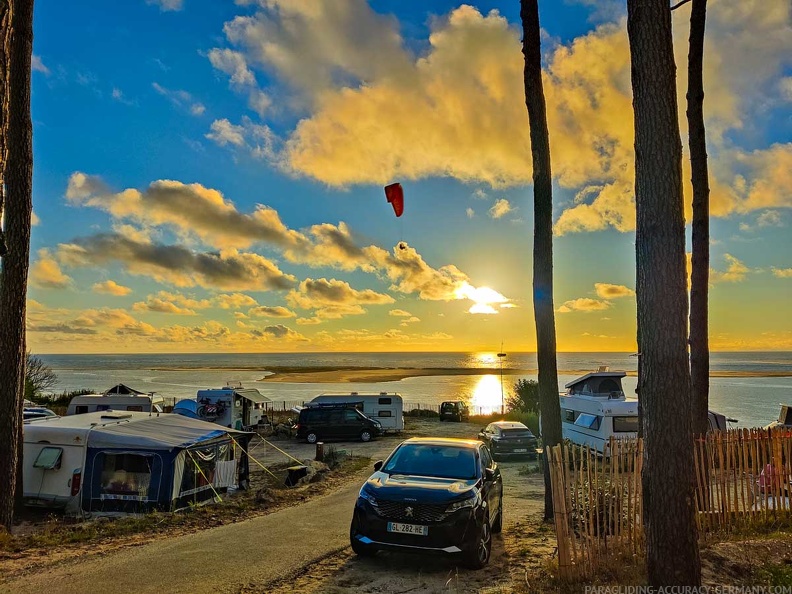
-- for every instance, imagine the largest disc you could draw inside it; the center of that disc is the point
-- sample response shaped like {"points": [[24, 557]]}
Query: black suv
{"points": [[335, 422], [431, 495], [509, 438], [454, 411]]}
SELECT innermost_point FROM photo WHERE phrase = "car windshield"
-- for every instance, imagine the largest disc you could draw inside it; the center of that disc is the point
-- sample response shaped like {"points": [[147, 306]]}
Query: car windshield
{"points": [[433, 460]]}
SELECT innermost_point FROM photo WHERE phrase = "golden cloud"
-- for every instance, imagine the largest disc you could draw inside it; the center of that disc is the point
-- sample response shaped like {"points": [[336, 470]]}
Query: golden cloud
{"points": [[583, 304], [111, 287], [45, 273]]}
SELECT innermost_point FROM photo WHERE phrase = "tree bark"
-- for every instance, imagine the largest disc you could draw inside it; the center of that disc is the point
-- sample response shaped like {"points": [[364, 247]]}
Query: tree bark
{"points": [[14, 270], [543, 237], [699, 278], [664, 386]]}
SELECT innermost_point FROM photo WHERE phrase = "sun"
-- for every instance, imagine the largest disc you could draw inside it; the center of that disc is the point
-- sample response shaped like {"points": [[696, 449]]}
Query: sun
{"points": [[484, 299]]}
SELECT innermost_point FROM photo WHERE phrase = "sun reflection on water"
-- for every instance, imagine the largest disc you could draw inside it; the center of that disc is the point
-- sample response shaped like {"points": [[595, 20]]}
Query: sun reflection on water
{"points": [[487, 394]]}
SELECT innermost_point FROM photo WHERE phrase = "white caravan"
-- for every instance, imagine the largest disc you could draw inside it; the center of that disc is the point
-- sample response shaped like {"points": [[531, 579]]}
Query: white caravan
{"points": [[385, 407], [594, 409], [117, 398]]}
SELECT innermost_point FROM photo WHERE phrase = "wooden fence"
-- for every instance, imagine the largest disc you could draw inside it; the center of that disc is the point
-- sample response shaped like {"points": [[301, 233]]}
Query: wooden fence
{"points": [[743, 478]]}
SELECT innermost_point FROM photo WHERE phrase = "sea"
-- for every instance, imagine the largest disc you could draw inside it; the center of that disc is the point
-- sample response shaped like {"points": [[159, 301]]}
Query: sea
{"points": [[748, 393]]}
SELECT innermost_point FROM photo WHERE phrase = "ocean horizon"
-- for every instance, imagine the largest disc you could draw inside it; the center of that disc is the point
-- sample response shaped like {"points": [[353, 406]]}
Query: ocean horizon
{"points": [[745, 394]]}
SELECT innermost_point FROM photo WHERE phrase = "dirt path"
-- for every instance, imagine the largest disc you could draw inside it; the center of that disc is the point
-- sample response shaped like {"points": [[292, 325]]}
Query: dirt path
{"points": [[304, 549]]}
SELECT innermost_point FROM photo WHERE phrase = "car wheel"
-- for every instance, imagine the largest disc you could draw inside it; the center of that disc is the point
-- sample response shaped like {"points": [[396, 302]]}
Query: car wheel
{"points": [[365, 435], [478, 555], [498, 525], [358, 547], [312, 437]]}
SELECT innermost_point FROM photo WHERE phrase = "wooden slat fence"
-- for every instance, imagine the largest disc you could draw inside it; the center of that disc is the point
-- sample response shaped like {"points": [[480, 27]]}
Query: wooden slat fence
{"points": [[743, 478]]}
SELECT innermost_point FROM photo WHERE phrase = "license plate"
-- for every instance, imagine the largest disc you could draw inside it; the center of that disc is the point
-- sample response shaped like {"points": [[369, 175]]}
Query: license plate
{"points": [[408, 529], [520, 450]]}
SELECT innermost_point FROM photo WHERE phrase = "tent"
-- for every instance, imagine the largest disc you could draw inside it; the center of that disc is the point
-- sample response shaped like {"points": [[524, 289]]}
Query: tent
{"points": [[131, 462]]}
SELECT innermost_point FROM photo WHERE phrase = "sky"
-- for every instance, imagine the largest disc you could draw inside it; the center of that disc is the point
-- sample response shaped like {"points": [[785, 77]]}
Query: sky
{"points": [[209, 175]]}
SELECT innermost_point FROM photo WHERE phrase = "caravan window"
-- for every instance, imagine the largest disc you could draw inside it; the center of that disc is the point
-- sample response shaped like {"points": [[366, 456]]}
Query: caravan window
{"points": [[126, 474], [135, 408], [568, 416], [81, 409], [625, 424], [385, 401], [588, 421], [384, 413], [49, 458], [101, 407]]}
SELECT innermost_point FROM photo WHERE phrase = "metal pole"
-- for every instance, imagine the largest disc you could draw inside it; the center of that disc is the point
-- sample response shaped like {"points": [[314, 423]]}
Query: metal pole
{"points": [[501, 356]]}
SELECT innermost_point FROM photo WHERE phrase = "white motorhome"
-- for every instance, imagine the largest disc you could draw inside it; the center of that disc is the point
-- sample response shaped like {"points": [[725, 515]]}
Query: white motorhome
{"points": [[230, 406], [594, 409], [385, 407], [117, 398]]}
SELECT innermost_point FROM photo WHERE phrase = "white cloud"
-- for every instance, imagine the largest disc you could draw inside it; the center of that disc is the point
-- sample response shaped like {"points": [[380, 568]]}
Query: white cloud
{"points": [[167, 5], [111, 287], [470, 213], [38, 66], [501, 208], [181, 99]]}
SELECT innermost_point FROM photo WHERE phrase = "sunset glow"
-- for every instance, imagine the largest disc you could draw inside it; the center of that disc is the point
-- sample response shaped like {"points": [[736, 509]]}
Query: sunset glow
{"points": [[209, 176]]}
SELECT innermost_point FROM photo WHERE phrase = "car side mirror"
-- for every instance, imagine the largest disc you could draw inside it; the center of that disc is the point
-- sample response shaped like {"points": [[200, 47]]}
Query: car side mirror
{"points": [[378, 464], [489, 474]]}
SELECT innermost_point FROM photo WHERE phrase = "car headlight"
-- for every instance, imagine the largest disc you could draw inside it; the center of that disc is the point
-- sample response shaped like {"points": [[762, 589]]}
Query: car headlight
{"points": [[463, 503], [366, 496]]}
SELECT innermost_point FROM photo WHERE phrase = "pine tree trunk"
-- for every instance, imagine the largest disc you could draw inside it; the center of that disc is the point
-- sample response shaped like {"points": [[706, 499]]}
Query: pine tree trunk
{"points": [[14, 270], [664, 386], [699, 278], [543, 237]]}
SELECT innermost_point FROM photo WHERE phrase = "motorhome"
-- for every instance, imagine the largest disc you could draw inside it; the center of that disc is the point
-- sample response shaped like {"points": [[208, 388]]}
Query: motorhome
{"points": [[118, 398], [594, 409], [385, 407], [230, 406], [129, 462]]}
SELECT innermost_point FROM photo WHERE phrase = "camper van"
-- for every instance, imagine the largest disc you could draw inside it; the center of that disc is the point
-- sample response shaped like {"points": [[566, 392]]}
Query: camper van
{"points": [[117, 398], [230, 406], [385, 407], [122, 462], [594, 409]]}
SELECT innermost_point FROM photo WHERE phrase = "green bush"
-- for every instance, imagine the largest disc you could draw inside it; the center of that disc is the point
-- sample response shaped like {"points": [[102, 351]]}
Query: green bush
{"points": [[422, 412]]}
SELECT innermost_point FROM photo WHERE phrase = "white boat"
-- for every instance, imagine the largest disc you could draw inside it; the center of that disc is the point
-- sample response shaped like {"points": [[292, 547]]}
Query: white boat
{"points": [[594, 409]]}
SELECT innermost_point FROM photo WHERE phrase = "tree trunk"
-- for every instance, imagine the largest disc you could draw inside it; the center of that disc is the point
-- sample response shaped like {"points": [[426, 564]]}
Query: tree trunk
{"points": [[14, 270], [664, 386], [543, 237], [699, 278]]}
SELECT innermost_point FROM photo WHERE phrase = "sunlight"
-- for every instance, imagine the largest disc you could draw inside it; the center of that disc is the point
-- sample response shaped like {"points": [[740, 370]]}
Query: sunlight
{"points": [[482, 297], [487, 393]]}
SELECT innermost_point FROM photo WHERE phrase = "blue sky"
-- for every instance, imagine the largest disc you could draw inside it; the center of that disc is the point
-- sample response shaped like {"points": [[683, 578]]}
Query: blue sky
{"points": [[208, 175]]}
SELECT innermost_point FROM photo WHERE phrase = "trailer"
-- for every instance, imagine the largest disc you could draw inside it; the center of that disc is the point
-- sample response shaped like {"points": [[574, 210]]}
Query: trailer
{"points": [[385, 407], [118, 398], [129, 462], [230, 406]]}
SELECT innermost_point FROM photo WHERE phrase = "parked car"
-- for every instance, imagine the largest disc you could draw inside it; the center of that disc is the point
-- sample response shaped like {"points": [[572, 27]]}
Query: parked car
{"points": [[454, 410], [335, 421], [431, 495], [509, 438], [36, 412]]}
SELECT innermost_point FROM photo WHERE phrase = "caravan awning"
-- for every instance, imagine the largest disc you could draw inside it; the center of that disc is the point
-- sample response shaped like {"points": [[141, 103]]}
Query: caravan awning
{"points": [[166, 431], [252, 394]]}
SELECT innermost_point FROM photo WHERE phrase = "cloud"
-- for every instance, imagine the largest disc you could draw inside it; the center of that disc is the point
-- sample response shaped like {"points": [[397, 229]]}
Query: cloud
{"points": [[500, 209], [279, 332], [111, 287], [177, 265], [234, 301], [334, 299], [271, 312], [410, 320], [257, 140], [734, 273], [607, 291], [399, 313], [453, 106], [172, 303], [583, 304], [36, 65], [470, 213], [308, 321], [167, 5], [234, 64], [782, 272], [118, 95], [181, 99], [45, 273], [224, 132], [34, 219]]}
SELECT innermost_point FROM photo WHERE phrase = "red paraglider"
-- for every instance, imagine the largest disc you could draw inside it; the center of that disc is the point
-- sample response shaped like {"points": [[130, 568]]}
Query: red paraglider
{"points": [[395, 196]]}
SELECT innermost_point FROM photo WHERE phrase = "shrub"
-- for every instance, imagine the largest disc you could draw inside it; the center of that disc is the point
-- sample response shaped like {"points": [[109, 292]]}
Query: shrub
{"points": [[422, 412]]}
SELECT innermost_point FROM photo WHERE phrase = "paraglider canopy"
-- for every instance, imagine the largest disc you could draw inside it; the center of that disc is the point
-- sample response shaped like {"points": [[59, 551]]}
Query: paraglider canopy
{"points": [[395, 196]]}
